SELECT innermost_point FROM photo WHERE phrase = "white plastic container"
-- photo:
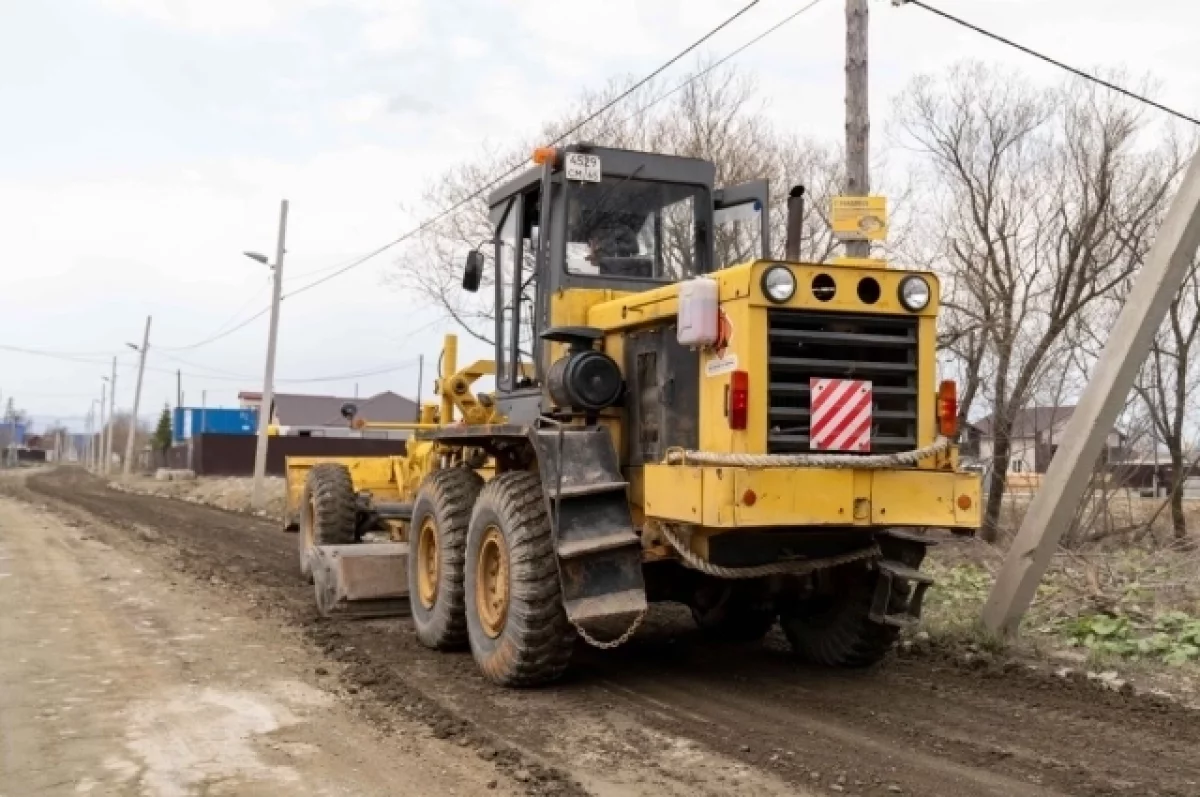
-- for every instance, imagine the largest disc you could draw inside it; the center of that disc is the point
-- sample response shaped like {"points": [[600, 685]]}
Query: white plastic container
{"points": [[698, 306]]}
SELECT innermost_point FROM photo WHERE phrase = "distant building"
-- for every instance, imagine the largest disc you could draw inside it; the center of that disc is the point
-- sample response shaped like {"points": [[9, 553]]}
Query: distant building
{"points": [[303, 411], [1035, 437]]}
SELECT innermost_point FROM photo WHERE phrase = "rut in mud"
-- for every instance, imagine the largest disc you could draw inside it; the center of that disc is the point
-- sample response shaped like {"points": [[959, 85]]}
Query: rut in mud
{"points": [[923, 724]]}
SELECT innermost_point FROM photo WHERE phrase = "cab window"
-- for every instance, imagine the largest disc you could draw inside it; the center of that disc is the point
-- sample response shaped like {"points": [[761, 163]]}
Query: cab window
{"points": [[634, 229]]}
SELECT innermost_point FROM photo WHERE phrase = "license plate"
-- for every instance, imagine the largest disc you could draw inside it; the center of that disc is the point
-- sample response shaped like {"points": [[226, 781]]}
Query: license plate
{"points": [[581, 167]]}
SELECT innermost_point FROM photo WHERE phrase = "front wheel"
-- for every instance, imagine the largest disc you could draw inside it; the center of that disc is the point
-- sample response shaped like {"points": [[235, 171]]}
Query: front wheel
{"points": [[515, 619], [437, 536], [327, 512], [834, 629]]}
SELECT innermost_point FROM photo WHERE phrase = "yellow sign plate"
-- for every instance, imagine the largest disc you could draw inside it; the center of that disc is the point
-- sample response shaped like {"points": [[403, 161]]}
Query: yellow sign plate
{"points": [[860, 218]]}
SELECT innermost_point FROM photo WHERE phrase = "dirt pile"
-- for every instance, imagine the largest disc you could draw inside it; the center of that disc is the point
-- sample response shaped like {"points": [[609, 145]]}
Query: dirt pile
{"points": [[230, 493]]}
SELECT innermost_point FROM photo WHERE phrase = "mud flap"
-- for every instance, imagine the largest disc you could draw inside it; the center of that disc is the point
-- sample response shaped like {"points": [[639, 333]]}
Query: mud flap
{"points": [[364, 580], [599, 553]]}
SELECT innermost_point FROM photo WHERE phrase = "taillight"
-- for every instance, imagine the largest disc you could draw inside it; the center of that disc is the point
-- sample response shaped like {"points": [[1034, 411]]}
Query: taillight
{"points": [[947, 408], [739, 399]]}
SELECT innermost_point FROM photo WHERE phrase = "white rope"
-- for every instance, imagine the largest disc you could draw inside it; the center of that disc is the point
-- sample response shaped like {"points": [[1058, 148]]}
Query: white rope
{"points": [[679, 456], [791, 567]]}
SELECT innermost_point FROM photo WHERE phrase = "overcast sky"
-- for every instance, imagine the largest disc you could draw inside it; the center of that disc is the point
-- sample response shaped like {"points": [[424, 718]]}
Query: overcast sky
{"points": [[146, 143]]}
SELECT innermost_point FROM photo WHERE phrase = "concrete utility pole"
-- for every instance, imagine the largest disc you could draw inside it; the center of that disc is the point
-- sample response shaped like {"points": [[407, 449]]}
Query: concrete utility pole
{"points": [[858, 117], [178, 388], [87, 432], [137, 398], [112, 418], [1053, 508], [103, 427], [257, 500], [420, 381]]}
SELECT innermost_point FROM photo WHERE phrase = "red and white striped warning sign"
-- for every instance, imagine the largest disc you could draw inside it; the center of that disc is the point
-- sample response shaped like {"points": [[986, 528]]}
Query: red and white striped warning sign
{"points": [[840, 415]]}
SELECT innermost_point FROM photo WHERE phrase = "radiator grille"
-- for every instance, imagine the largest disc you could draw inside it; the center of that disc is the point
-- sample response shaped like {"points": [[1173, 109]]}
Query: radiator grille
{"points": [[882, 349]]}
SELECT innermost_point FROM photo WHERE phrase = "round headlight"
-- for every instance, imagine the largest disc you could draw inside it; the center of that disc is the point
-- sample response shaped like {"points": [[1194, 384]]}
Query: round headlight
{"points": [[914, 293], [779, 284]]}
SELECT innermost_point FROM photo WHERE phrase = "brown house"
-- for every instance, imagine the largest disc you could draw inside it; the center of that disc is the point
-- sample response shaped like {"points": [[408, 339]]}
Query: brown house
{"points": [[299, 410]]}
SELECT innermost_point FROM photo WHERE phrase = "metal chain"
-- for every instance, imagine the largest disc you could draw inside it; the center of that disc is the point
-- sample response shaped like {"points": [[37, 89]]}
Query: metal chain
{"points": [[793, 567], [613, 643], [678, 456]]}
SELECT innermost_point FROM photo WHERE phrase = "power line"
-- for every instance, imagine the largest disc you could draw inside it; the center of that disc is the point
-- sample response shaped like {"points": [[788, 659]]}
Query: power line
{"points": [[1049, 60], [495, 180], [707, 70], [214, 338], [218, 375], [498, 178]]}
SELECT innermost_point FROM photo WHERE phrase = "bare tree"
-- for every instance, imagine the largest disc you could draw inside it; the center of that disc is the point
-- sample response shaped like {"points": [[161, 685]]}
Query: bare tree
{"points": [[1042, 200], [1167, 384]]}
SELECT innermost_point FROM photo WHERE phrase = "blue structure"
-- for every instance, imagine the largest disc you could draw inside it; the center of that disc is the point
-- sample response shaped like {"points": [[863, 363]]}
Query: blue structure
{"points": [[12, 433], [188, 421]]}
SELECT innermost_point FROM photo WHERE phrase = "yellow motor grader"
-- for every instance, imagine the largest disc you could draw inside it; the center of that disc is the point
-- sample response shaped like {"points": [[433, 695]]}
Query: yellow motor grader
{"points": [[763, 442]]}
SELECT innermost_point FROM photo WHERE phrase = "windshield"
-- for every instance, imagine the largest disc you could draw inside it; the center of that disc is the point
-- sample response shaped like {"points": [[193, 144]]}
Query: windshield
{"points": [[630, 228]]}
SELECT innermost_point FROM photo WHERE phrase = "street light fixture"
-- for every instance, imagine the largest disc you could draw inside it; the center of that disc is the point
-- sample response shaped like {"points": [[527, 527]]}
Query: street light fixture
{"points": [[256, 256]]}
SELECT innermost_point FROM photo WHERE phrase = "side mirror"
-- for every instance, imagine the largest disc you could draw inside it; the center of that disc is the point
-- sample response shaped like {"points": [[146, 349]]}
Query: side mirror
{"points": [[473, 272]]}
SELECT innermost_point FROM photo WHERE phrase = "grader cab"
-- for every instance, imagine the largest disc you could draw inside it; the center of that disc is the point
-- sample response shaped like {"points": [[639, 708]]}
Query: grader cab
{"points": [[763, 442]]}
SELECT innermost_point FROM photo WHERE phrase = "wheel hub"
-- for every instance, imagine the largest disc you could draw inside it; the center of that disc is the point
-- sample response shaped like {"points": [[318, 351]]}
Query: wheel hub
{"points": [[429, 563], [491, 582]]}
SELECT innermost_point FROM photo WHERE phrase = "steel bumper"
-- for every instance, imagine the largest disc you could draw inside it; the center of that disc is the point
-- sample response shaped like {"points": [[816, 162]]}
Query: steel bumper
{"points": [[722, 497]]}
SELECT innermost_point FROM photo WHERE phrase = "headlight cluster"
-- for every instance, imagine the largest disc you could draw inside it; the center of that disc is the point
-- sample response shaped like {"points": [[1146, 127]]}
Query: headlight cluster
{"points": [[914, 293], [779, 284]]}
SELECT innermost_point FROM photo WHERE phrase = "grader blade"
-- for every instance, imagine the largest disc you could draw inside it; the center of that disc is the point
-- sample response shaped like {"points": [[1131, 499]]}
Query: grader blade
{"points": [[365, 580]]}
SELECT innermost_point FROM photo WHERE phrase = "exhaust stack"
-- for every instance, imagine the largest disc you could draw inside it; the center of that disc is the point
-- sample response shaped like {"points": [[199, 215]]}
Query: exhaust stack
{"points": [[795, 221]]}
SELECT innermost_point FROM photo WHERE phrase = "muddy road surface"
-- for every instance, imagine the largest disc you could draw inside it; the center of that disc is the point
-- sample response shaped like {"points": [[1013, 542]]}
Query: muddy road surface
{"points": [[670, 714]]}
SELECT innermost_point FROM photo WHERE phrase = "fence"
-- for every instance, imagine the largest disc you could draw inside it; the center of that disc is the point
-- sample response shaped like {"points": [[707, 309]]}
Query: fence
{"points": [[233, 454]]}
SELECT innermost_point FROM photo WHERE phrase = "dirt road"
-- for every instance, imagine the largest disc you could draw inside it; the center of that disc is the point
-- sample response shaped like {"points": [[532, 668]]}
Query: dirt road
{"points": [[669, 714], [115, 679]]}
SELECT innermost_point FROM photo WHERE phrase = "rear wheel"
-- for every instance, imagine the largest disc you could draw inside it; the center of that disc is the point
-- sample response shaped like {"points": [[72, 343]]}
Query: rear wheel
{"points": [[437, 538], [515, 619], [835, 629], [327, 512]]}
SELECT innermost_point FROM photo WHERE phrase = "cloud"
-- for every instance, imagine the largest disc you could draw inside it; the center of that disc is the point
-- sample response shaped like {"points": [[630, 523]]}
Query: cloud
{"points": [[210, 16], [468, 47], [405, 103], [361, 109]]}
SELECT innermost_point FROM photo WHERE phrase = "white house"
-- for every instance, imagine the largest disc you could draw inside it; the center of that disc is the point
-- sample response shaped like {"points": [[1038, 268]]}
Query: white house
{"points": [[1036, 434]]}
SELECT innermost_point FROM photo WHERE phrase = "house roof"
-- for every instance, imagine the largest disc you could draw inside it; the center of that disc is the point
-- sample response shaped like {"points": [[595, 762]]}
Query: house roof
{"points": [[1030, 421], [296, 409]]}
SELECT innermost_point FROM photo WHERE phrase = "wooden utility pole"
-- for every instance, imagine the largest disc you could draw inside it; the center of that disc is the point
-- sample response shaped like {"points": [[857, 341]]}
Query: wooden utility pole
{"points": [[858, 117], [137, 398], [1053, 507]]}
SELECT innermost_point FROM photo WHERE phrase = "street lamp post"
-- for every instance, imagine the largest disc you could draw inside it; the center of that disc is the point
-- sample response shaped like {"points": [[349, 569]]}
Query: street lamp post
{"points": [[257, 500]]}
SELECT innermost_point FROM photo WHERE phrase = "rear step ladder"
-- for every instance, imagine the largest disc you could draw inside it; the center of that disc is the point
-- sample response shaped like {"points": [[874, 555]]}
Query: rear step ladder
{"points": [[882, 609], [599, 552]]}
